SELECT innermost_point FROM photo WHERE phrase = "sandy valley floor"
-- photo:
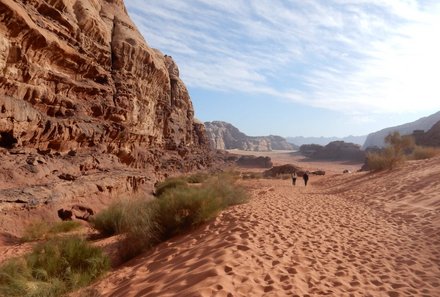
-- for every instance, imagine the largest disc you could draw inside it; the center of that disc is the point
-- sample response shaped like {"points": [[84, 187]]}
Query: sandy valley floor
{"points": [[343, 235]]}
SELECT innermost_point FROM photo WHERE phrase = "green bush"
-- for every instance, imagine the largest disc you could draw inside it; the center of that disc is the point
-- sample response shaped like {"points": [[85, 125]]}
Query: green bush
{"points": [[197, 178], [146, 223], [170, 183], [53, 268], [44, 230], [140, 227], [422, 152], [225, 186], [110, 221], [181, 209]]}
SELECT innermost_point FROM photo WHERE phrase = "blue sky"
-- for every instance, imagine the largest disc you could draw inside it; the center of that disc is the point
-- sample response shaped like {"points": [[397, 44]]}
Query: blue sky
{"points": [[301, 67]]}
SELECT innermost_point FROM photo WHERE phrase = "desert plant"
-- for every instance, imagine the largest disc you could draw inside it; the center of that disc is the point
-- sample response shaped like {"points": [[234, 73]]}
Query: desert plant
{"points": [[145, 223], [110, 221], [197, 178], [184, 208], [399, 145], [394, 153], [225, 187], [170, 183], [423, 152], [378, 161], [44, 230], [53, 268], [140, 226]]}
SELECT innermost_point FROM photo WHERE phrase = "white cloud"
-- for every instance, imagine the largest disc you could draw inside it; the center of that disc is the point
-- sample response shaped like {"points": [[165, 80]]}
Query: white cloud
{"points": [[357, 56]]}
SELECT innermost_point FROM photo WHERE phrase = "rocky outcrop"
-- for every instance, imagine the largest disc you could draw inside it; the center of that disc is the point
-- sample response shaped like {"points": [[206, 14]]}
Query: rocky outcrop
{"points": [[424, 124], [336, 150], [76, 74], [430, 138], [87, 109], [281, 170], [254, 161], [224, 136]]}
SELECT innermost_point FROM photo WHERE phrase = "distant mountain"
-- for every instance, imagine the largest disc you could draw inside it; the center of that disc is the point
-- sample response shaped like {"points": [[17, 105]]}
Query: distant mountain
{"points": [[425, 123], [225, 136], [300, 140]]}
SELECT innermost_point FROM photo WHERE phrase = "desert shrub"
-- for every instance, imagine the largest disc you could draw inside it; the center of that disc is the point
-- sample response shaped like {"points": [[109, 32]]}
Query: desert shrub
{"points": [[134, 218], [140, 226], [197, 178], [44, 230], [226, 188], [13, 277], [394, 153], [110, 221], [399, 145], [184, 208], [170, 183], [378, 161], [181, 209], [53, 268], [146, 223], [423, 152]]}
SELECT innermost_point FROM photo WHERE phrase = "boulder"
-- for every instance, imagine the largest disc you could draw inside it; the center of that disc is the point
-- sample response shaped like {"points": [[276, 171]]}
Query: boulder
{"points": [[64, 214], [82, 212], [283, 169]]}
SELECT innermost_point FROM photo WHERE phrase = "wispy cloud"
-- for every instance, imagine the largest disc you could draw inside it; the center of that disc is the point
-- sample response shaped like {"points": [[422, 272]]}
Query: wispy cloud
{"points": [[349, 55]]}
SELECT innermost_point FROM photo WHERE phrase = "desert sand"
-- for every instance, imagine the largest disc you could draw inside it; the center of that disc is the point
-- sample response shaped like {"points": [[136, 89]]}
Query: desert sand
{"points": [[355, 234]]}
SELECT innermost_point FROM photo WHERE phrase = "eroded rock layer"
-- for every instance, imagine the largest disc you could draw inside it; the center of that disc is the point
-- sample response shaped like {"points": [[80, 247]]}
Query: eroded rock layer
{"points": [[88, 111], [78, 74], [224, 136]]}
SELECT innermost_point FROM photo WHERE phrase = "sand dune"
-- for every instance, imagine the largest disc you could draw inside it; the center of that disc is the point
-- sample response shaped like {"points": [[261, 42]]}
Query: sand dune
{"points": [[344, 235]]}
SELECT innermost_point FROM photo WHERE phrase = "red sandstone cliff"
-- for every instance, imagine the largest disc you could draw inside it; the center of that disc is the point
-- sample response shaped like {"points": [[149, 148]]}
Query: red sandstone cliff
{"points": [[78, 73], [77, 77]]}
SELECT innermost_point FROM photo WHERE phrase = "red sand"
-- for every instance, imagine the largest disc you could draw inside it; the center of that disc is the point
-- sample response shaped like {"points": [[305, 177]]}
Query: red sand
{"points": [[343, 235]]}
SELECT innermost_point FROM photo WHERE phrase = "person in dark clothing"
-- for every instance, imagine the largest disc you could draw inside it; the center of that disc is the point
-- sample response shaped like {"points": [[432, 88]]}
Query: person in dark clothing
{"points": [[294, 178], [306, 178]]}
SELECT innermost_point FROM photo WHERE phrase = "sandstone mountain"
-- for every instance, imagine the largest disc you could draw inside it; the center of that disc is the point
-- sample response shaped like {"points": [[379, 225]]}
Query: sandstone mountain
{"points": [[224, 136], [336, 150], [82, 94], [425, 123]]}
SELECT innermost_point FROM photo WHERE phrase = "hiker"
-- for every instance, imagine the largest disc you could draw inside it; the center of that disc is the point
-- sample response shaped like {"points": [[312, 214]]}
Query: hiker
{"points": [[306, 178], [294, 178]]}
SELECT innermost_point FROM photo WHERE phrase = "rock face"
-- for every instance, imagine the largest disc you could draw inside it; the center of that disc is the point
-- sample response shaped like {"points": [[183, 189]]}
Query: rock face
{"points": [[87, 109], [336, 150], [430, 138], [224, 136], [76, 74], [377, 138]]}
